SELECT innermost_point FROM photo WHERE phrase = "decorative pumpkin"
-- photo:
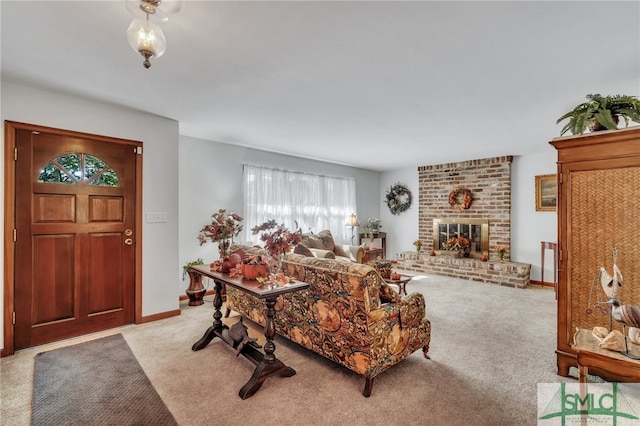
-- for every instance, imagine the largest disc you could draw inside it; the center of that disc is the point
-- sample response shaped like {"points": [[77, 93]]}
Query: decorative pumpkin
{"points": [[252, 272]]}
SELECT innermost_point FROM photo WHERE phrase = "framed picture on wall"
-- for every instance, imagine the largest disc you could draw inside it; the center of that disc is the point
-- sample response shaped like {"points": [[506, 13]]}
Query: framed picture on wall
{"points": [[546, 193]]}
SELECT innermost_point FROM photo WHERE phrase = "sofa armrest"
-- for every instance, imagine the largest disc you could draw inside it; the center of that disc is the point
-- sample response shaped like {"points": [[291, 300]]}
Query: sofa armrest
{"points": [[412, 310], [409, 312], [355, 252]]}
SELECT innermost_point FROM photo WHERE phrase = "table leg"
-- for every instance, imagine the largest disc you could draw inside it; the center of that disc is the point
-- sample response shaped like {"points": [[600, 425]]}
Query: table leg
{"points": [[269, 365], [217, 326], [583, 374], [542, 263]]}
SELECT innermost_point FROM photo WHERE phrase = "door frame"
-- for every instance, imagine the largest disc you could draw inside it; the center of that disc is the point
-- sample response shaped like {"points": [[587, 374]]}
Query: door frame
{"points": [[10, 129]]}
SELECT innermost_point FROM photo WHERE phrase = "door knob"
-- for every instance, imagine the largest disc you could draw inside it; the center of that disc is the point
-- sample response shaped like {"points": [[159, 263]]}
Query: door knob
{"points": [[128, 241]]}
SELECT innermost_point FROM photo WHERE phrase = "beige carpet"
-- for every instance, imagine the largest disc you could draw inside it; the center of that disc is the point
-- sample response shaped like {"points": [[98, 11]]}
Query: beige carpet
{"points": [[490, 346]]}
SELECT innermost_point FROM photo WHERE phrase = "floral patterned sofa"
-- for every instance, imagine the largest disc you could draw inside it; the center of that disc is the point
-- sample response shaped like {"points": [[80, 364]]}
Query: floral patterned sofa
{"points": [[348, 315]]}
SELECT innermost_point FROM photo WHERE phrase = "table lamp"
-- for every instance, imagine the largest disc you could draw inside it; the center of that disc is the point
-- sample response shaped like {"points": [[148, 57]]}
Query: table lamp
{"points": [[352, 221]]}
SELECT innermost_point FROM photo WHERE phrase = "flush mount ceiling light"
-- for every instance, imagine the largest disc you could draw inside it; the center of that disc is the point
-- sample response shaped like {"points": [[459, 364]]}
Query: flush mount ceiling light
{"points": [[144, 34]]}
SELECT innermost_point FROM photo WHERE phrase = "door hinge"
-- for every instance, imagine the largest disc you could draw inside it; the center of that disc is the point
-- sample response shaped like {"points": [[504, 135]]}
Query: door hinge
{"points": [[15, 154], [560, 178], [14, 317], [138, 150], [15, 235]]}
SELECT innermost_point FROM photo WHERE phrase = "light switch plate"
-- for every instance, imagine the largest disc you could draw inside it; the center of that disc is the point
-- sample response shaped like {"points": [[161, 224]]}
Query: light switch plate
{"points": [[157, 217]]}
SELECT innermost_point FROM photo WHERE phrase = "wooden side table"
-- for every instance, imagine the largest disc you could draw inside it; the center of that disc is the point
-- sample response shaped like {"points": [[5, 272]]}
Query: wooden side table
{"points": [[590, 355], [401, 283], [544, 246]]}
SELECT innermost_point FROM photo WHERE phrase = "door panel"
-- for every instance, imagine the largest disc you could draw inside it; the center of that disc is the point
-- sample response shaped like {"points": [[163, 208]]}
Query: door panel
{"points": [[54, 208], [106, 209], [52, 283], [74, 265], [106, 252]]}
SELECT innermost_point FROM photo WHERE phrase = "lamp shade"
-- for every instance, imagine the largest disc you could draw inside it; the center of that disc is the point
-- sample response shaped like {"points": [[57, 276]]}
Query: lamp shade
{"points": [[352, 220], [146, 38]]}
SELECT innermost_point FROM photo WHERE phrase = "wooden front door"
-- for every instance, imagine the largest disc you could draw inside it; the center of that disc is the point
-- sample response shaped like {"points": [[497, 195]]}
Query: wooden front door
{"points": [[75, 218]]}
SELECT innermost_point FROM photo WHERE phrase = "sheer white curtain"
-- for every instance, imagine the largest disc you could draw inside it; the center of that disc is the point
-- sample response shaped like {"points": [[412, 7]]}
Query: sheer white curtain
{"points": [[315, 202]]}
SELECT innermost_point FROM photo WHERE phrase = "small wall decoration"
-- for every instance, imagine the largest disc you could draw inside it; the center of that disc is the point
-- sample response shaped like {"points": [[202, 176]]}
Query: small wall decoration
{"points": [[546, 193], [460, 199], [398, 198]]}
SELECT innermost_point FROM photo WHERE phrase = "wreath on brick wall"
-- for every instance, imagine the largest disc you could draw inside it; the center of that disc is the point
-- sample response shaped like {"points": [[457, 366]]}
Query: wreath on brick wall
{"points": [[398, 198], [455, 202]]}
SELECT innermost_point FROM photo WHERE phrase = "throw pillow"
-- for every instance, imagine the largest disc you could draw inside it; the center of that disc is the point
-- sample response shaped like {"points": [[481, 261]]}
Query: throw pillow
{"points": [[300, 249], [327, 239], [312, 241]]}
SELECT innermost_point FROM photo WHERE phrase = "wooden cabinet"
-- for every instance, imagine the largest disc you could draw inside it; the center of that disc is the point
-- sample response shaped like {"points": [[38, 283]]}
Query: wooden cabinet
{"points": [[598, 188]]}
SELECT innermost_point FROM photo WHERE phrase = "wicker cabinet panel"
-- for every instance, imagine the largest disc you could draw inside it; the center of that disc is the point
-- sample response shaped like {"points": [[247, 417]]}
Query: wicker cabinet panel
{"points": [[598, 175]]}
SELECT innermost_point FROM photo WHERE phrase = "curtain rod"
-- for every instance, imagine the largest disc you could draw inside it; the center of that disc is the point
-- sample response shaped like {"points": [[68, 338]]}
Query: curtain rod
{"points": [[296, 171]]}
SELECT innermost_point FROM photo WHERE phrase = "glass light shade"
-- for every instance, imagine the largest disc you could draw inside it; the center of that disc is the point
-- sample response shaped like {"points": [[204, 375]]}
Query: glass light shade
{"points": [[170, 6], [157, 10], [146, 37]]}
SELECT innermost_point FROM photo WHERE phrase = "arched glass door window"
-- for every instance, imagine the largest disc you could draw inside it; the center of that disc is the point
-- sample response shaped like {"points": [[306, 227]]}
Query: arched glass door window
{"points": [[79, 168]]}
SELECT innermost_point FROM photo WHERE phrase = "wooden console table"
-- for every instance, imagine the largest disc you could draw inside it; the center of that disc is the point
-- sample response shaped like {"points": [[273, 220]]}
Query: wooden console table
{"points": [[590, 355], [383, 241], [266, 363], [370, 254]]}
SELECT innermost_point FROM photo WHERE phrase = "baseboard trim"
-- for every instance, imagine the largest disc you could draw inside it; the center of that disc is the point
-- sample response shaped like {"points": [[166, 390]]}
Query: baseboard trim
{"points": [[159, 316], [545, 284]]}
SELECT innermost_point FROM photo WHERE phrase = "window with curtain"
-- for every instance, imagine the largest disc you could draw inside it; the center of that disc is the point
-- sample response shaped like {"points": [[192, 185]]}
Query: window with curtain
{"points": [[314, 202]]}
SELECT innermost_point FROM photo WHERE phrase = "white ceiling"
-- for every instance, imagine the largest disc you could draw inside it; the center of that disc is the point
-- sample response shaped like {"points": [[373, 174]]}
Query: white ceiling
{"points": [[378, 85]]}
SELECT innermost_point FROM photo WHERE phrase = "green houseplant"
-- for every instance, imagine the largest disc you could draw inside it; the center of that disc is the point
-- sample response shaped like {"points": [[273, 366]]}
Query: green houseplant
{"points": [[601, 113]]}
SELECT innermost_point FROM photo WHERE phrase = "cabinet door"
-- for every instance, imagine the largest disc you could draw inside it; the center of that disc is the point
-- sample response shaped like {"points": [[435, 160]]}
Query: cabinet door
{"points": [[598, 213]]}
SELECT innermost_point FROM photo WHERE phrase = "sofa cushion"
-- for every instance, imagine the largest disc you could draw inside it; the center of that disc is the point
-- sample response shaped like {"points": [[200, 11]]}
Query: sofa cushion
{"points": [[356, 253], [339, 251], [323, 254]]}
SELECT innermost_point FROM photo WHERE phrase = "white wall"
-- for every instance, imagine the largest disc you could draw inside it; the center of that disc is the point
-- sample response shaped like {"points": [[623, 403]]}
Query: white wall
{"points": [[402, 229], [528, 227], [211, 179], [160, 172]]}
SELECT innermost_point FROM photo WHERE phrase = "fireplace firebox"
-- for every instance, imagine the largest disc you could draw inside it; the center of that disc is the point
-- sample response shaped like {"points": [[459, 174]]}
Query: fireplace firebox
{"points": [[476, 230]]}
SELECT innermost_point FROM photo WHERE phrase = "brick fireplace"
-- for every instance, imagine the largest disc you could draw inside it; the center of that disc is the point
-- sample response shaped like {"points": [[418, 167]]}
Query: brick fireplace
{"points": [[489, 181]]}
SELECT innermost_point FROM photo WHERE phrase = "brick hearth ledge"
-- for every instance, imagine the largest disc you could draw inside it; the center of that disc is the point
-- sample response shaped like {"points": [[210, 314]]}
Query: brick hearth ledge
{"points": [[512, 274]]}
